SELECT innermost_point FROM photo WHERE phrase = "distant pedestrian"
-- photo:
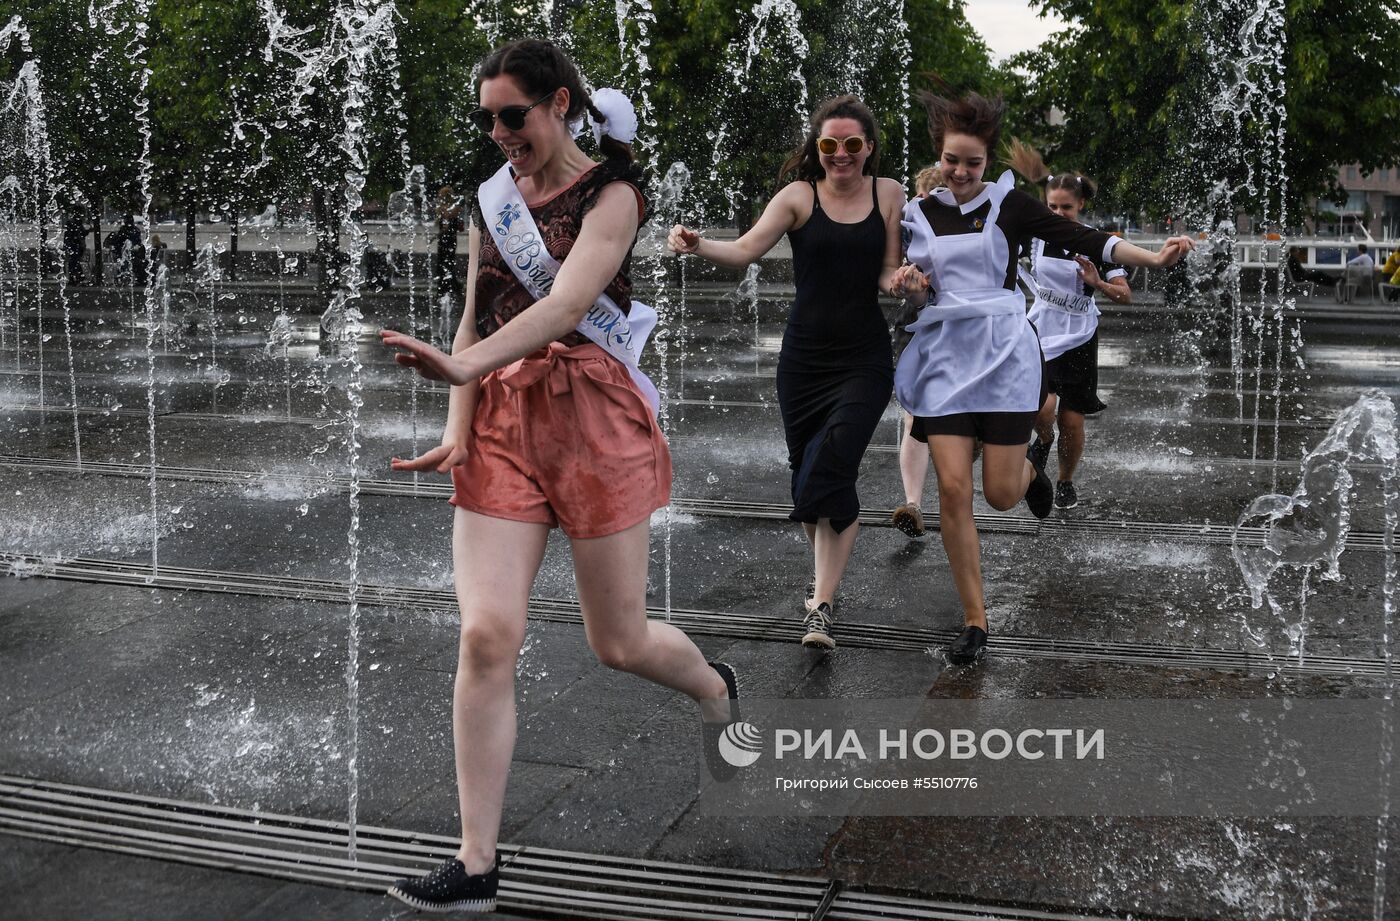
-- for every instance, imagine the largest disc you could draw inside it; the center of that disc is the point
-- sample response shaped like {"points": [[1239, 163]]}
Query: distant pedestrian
{"points": [[74, 246], [125, 243], [1298, 273], [449, 224], [158, 251]]}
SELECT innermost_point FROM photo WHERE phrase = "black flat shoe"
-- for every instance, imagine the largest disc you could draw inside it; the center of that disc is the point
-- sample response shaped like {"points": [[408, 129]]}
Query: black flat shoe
{"points": [[1039, 451], [719, 767], [1040, 494], [969, 646]]}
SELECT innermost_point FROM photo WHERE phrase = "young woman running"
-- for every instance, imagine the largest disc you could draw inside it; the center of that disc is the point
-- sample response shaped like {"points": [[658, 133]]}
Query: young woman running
{"points": [[546, 426], [913, 456], [834, 370], [1067, 321], [974, 369]]}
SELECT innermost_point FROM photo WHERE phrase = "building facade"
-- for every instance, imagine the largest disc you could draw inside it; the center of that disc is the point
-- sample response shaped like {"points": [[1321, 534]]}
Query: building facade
{"points": [[1373, 201]]}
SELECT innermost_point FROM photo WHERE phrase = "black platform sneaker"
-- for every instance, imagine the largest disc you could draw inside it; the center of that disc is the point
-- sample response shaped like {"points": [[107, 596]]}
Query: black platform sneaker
{"points": [[720, 769], [450, 888]]}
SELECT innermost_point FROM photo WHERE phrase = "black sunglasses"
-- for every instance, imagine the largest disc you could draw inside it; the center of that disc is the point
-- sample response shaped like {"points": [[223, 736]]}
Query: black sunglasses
{"points": [[513, 117]]}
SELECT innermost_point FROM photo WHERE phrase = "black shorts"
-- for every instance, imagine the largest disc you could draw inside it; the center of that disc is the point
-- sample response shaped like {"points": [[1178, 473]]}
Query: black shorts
{"points": [[1074, 376], [992, 428]]}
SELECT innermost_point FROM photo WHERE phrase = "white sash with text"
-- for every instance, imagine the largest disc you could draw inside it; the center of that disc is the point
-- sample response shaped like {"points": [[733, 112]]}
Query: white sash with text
{"points": [[621, 335]]}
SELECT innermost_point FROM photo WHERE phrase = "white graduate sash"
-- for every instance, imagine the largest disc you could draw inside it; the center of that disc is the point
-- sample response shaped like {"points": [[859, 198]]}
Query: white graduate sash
{"points": [[1059, 285], [1063, 301], [621, 335]]}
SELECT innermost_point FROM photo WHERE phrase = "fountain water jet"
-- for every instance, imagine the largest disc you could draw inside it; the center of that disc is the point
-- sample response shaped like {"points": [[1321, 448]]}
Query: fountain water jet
{"points": [[1306, 533], [361, 37], [25, 100]]}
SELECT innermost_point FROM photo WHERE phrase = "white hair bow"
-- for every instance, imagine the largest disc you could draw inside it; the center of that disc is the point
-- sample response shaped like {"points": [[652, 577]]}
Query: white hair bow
{"points": [[619, 117]]}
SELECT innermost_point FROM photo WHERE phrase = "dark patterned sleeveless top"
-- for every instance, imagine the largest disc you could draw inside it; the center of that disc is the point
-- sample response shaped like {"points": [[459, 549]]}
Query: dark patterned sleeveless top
{"points": [[499, 295]]}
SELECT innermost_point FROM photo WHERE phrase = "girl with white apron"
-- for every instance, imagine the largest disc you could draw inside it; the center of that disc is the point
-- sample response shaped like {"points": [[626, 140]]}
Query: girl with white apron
{"points": [[1065, 315], [973, 369]]}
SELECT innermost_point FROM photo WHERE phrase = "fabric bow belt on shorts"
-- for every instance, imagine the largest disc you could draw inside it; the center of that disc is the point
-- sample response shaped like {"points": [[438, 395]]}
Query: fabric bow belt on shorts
{"points": [[530, 370]]}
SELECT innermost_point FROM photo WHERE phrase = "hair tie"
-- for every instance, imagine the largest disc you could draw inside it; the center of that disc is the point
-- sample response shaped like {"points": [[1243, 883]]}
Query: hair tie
{"points": [[619, 117]]}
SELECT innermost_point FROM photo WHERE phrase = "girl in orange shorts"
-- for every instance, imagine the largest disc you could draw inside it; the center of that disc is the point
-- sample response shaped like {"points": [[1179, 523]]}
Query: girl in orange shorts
{"points": [[546, 426]]}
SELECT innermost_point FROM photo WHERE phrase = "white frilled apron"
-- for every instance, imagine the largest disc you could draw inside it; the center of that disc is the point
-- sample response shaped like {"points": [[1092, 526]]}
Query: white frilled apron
{"points": [[1064, 316], [972, 350], [518, 237]]}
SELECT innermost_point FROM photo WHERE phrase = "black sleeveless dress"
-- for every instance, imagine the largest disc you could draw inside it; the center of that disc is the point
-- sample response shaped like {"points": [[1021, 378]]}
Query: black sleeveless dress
{"points": [[835, 370]]}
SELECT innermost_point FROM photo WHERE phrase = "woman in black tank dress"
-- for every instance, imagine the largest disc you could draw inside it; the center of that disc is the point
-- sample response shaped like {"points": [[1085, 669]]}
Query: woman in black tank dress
{"points": [[835, 371]]}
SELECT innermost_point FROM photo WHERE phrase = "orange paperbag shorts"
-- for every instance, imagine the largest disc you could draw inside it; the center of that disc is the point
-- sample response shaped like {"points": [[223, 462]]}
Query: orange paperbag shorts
{"points": [[564, 437]]}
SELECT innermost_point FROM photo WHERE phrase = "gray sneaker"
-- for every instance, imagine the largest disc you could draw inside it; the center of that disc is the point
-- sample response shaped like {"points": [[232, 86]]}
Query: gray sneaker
{"points": [[818, 626], [1065, 495]]}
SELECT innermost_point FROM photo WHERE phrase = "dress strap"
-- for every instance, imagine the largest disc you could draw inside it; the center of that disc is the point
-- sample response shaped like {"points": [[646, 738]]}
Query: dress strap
{"points": [[875, 191], [816, 199]]}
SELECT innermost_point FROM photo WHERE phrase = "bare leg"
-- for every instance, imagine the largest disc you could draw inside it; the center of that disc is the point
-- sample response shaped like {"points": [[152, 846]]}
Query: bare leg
{"points": [[952, 463], [913, 465], [811, 531], [494, 564], [833, 552], [611, 573], [1071, 443], [1005, 475]]}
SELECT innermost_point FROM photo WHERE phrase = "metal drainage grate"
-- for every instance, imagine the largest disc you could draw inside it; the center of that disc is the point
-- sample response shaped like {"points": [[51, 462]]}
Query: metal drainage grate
{"points": [[732, 625], [1175, 532], [540, 882]]}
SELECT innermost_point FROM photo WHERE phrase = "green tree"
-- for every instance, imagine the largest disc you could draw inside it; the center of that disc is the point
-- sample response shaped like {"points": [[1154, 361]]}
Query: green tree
{"points": [[1132, 81], [439, 45], [724, 110], [212, 137], [90, 93]]}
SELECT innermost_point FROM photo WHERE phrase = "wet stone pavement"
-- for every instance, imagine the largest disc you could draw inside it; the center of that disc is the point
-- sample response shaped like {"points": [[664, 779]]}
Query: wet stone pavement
{"points": [[213, 690]]}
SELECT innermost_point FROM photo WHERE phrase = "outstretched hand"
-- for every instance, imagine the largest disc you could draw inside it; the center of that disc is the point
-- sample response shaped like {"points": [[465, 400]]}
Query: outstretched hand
{"points": [[683, 240], [440, 459], [432, 363], [1088, 272], [1173, 251]]}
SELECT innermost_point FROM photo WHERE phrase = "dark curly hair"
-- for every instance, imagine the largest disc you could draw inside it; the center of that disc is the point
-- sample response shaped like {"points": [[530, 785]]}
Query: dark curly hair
{"points": [[972, 114], [804, 163], [541, 67]]}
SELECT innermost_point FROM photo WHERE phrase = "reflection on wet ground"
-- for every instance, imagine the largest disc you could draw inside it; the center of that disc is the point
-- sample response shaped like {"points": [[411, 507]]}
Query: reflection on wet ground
{"points": [[212, 689]]}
